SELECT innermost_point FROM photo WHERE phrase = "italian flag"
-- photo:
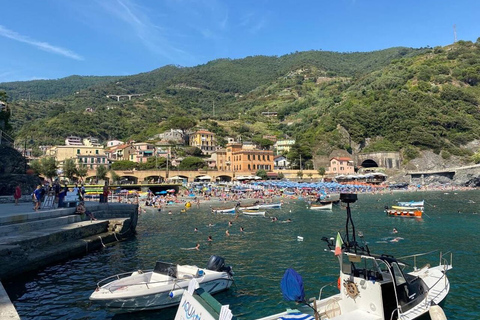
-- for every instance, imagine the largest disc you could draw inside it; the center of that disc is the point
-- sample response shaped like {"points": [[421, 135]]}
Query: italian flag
{"points": [[338, 245]]}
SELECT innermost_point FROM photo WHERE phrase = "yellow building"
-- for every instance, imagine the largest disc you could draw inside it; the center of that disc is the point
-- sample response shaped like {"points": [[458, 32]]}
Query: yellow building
{"points": [[204, 140], [92, 157], [237, 158]]}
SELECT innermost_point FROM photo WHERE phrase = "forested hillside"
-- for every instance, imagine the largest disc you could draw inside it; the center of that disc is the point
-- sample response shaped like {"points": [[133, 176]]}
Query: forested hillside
{"points": [[396, 99]]}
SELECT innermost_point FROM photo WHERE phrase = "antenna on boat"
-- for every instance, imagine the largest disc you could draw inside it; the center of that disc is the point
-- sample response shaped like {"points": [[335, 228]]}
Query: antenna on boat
{"points": [[349, 198]]}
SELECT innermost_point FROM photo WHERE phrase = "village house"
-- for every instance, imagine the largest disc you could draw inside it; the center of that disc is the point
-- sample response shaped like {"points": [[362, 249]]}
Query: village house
{"points": [[239, 157], [204, 140], [341, 165]]}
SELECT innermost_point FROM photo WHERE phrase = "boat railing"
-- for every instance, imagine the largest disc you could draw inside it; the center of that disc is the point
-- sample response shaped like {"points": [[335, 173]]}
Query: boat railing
{"points": [[443, 261], [416, 256], [321, 289], [117, 277]]}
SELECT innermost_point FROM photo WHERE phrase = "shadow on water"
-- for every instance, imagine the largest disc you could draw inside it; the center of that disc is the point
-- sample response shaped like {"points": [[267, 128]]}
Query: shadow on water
{"points": [[261, 254]]}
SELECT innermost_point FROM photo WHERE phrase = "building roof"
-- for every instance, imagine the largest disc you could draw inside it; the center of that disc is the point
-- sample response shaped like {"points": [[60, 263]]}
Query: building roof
{"points": [[342, 158]]}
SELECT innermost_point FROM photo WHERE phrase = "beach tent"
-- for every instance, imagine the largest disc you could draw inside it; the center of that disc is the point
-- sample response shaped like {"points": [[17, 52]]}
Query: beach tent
{"points": [[205, 177]]}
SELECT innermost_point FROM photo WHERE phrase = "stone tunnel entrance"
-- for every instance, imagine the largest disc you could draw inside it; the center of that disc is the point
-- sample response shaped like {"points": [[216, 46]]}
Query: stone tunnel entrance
{"points": [[369, 164]]}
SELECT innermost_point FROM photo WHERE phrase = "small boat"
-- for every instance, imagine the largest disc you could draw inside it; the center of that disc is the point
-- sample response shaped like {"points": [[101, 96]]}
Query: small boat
{"points": [[270, 206], [321, 206], [412, 204], [161, 287], [254, 207], [411, 212], [223, 210], [371, 286], [330, 201], [253, 213]]}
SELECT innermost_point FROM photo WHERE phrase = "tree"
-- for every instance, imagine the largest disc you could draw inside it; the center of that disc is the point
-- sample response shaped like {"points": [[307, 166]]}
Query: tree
{"points": [[124, 165], [182, 123], [310, 175], [300, 174], [193, 151], [321, 171], [36, 166], [82, 171], [262, 173], [263, 144], [101, 172], [191, 163], [49, 167], [114, 176], [70, 169], [299, 152]]}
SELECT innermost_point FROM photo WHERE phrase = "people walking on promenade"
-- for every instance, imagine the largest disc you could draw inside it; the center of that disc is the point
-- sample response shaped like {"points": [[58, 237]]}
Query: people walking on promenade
{"points": [[17, 194]]}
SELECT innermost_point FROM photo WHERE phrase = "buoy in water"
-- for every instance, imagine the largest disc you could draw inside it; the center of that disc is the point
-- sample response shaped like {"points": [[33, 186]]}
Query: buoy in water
{"points": [[299, 238], [436, 313]]}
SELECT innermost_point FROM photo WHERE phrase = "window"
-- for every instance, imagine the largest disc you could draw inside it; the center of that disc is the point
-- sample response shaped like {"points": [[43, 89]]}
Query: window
{"points": [[96, 151], [78, 151], [254, 158], [249, 167], [248, 157], [263, 157]]}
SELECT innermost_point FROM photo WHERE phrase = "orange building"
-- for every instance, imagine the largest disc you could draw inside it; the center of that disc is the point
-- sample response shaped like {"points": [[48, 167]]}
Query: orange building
{"points": [[341, 165], [237, 157]]}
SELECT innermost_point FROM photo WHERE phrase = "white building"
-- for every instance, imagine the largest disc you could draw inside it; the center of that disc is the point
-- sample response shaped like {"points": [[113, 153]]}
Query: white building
{"points": [[73, 141]]}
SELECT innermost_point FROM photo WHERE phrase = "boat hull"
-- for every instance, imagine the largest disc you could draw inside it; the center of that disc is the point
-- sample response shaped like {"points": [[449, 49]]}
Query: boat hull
{"points": [[321, 207], [404, 213], [157, 298]]}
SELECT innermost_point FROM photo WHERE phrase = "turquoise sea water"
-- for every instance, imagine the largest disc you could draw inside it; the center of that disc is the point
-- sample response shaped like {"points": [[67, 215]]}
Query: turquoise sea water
{"points": [[261, 254]]}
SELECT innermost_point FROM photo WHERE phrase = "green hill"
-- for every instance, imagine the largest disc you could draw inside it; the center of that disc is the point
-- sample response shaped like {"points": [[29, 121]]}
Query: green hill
{"points": [[395, 99]]}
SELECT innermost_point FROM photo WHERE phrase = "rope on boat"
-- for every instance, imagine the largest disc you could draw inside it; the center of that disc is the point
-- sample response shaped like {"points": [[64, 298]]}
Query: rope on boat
{"points": [[115, 234], [101, 241]]}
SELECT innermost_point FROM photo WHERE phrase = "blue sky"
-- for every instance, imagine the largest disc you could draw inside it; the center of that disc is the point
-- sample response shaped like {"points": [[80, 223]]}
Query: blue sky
{"points": [[51, 39]]}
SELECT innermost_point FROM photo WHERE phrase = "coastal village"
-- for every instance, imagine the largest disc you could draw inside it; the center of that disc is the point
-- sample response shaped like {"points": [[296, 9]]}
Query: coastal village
{"points": [[227, 160], [244, 158]]}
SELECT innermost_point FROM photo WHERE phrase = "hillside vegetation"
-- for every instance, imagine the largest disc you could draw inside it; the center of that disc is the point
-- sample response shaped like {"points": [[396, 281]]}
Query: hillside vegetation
{"points": [[399, 99]]}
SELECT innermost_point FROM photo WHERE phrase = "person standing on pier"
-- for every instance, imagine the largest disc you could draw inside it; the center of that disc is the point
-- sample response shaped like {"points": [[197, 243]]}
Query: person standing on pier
{"points": [[18, 194], [37, 196]]}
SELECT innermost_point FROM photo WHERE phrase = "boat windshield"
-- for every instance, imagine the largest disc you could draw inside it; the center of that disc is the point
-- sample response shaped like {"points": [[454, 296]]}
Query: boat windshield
{"points": [[399, 278]]}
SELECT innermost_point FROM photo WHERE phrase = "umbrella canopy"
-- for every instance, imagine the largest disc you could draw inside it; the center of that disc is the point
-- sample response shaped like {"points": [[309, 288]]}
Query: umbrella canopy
{"points": [[205, 177], [176, 178]]}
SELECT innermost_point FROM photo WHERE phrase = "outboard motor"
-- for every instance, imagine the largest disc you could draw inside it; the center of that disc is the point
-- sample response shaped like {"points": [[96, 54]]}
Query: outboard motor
{"points": [[217, 263]]}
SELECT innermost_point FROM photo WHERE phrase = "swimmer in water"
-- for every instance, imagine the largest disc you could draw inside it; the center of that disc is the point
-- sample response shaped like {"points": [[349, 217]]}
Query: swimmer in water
{"points": [[395, 230], [209, 238], [196, 230], [227, 233], [241, 229], [230, 223]]}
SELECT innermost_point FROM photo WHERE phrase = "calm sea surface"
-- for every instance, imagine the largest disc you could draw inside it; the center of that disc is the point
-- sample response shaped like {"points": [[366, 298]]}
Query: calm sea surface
{"points": [[261, 254]]}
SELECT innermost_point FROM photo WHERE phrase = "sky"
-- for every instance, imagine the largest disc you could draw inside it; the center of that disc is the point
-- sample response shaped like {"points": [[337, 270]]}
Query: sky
{"points": [[51, 39]]}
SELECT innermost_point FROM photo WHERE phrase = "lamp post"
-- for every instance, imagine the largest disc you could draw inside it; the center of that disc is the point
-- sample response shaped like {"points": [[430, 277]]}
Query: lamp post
{"points": [[25, 151]]}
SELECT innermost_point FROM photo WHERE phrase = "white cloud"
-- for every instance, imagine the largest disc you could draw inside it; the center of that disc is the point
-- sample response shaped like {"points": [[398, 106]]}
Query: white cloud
{"points": [[4, 32]]}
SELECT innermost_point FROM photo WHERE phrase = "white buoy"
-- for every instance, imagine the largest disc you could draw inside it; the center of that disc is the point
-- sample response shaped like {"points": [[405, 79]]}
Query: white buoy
{"points": [[436, 313], [299, 238]]}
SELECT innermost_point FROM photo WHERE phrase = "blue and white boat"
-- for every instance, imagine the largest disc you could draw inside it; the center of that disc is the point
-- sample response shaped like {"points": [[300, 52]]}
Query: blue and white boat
{"points": [[412, 203]]}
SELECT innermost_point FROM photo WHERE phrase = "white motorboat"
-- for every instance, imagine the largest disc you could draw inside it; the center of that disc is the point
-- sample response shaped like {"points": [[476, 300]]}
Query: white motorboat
{"points": [[372, 287], [253, 213], [253, 207], [161, 287], [321, 206], [270, 206], [223, 210]]}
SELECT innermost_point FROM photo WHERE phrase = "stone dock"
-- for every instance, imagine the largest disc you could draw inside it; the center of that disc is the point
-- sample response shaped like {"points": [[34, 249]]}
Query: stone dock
{"points": [[32, 240]]}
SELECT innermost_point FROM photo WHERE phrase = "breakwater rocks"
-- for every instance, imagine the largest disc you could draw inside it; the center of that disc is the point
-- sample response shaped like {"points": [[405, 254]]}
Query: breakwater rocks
{"points": [[32, 240]]}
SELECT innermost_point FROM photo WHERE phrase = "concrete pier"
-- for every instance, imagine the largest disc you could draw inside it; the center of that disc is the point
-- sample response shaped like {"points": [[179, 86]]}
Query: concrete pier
{"points": [[31, 240]]}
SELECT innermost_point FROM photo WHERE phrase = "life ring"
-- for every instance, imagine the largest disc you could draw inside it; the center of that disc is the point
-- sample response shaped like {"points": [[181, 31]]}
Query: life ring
{"points": [[351, 289]]}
